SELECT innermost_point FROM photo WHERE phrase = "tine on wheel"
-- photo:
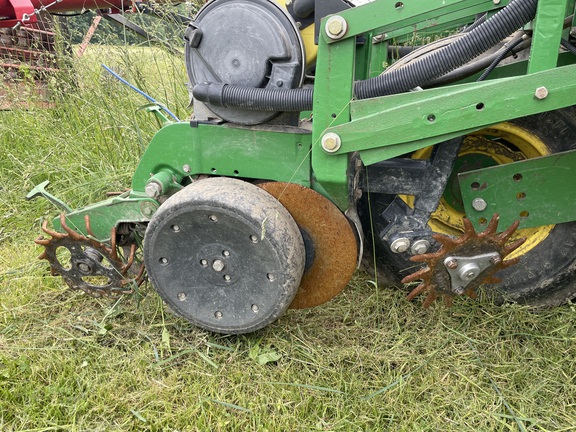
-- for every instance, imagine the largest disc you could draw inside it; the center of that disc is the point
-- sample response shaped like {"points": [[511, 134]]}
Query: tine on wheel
{"points": [[130, 260], [113, 253], [50, 232], [73, 234]]}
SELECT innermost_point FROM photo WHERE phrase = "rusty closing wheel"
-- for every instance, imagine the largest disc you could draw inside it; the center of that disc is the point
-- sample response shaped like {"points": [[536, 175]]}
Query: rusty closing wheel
{"points": [[464, 263], [88, 265], [225, 255], [331, 247]]}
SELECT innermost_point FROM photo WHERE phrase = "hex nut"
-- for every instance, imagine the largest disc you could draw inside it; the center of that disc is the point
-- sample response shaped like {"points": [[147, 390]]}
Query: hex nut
{"points": [[451, 263], [420, 247], [153, 189], [400, 245]]}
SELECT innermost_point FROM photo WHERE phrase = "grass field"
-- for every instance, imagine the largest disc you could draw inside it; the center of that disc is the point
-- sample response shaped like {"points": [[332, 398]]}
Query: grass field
{"points": [[368, 360]]}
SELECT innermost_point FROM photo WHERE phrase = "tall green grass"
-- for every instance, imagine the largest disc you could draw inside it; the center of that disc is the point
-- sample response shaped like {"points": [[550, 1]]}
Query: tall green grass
{"points": [[368, 360]]}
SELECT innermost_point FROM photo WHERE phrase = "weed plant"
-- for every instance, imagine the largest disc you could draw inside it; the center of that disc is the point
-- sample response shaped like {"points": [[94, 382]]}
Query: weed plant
{"points": [[367, 360]]}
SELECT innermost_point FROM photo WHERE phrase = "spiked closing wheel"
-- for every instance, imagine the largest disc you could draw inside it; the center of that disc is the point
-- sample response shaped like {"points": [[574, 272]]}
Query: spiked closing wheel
{"points": [[225, 255], [88, 265], [463, 264], [331, 248]]}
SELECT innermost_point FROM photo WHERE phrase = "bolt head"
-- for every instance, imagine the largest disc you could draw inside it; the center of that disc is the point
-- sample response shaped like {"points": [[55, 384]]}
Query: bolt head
{"points": [[331, 142], [458, 290], [451, 263], [84, 268], [186, 168], [541, 93], [420, 247], [153, 189], [400, 245], [218, 265], [479, 204], [336, 27]]}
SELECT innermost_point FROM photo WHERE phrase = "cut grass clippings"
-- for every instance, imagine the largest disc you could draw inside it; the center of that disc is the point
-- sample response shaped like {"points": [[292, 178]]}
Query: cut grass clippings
{"points": [[367, 360]]}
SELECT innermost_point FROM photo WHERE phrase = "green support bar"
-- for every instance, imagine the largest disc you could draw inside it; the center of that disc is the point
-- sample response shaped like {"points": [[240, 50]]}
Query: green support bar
{"points": [[390, 15], [546, 35], [281, 153], [332, 98], [536, 192], [394, 125], [105, 215]]}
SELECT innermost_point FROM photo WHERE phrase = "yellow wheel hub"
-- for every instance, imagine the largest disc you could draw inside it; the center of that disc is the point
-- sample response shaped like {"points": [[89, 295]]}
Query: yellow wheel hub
{"points": [[500, 144]]}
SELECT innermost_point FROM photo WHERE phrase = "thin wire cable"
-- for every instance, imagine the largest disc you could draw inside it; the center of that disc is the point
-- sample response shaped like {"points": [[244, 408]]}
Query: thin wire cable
{"points": [[137, 90]]}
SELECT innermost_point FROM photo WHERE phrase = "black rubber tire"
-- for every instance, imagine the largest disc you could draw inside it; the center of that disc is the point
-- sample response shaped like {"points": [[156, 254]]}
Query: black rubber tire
{"points": [[546, 274], [225, 255]]}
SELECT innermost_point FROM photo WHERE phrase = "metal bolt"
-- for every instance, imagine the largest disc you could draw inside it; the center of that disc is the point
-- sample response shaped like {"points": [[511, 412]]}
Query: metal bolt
{"points": [[253, 239], [336, 27], [218, 315], [182, 296], [255, 308], [203, 263], [186, 168], [153, 189], [331, 142], [541, 93], [496, 2], [226, 253], [400, 245], [451, 263], [270, 277], [479, 204], [469, 272], [85, 268], [458, 290], [218, 265], [420, 247], [227, 278]]}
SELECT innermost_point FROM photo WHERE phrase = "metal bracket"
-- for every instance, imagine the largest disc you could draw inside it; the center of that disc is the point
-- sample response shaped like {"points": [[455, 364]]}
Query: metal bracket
{"points": [[464, 270], [539, 191]]}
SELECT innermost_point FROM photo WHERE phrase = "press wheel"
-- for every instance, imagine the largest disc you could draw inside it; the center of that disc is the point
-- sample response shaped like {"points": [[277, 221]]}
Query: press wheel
{"points": [[225, 255], [331, 247]]}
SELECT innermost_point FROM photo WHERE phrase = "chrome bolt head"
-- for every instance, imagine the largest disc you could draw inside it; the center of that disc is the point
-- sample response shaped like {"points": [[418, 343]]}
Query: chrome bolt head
{"points": [[400, 245], [331, 142], [336, 27], [541, 93], [420, 247], [186, 168], [479, 204]]}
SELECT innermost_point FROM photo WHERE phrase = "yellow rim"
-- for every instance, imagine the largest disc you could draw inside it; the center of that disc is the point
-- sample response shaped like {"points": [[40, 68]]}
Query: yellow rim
{"points": [[503, 143]]}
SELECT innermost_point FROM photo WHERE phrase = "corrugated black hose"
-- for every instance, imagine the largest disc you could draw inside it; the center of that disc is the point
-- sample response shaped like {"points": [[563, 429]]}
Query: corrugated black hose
{"points": [[414, 74]]}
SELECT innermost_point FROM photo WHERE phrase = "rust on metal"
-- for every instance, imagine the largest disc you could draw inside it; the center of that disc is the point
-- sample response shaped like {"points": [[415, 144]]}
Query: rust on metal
{"points": [[93, 267], [435, 279], [333, 241]]}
